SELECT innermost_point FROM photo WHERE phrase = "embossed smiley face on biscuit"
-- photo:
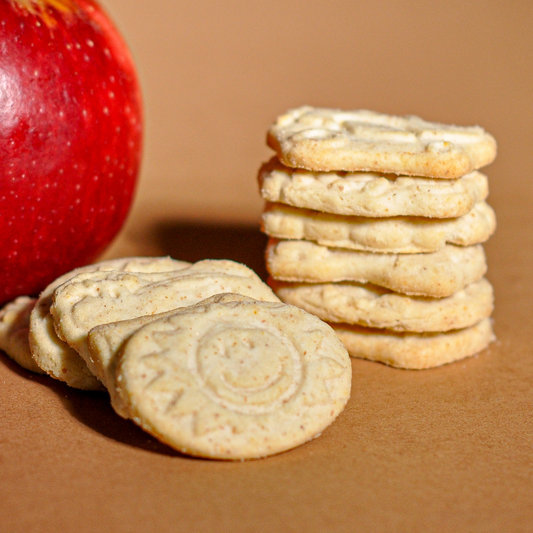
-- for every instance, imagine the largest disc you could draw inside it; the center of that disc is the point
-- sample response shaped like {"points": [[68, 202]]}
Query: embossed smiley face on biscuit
{"points": [[248, 369], [234, 378]]}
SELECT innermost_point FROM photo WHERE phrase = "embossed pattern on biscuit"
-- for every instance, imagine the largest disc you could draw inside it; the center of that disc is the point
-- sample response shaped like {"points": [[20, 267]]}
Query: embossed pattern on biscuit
{"points": [[105, 341], [385, 235], [371, 194], [375, 307], [55, 356], [330, 139], [234, 378], [436, 275], [95, 298]]}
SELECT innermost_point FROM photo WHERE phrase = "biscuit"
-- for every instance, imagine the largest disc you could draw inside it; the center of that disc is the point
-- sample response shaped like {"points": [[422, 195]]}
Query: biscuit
{"points": [[56, 357], [384, 235], [324, 139], [437, 275], [415, 350], [374, 307], [104, 343], [90, 299], [14, 326], [368, 194], [234, 378]]}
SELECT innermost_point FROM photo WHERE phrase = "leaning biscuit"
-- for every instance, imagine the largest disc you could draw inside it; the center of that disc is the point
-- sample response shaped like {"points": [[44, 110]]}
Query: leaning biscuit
{"points": [[369, 194], [95, 298], [55, 356], [436, 275], [384, 235], [104, 343], [14, 326], [234, 378], [331, 139], [374, 307], [415, 350]]}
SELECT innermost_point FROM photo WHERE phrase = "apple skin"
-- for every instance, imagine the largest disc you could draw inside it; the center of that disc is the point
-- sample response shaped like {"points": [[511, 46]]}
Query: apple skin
{"points": [[70, 139]]}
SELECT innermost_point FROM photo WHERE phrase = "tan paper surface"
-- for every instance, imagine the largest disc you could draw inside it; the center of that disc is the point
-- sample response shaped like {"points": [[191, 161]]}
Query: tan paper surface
{"points": [[448, 449]]}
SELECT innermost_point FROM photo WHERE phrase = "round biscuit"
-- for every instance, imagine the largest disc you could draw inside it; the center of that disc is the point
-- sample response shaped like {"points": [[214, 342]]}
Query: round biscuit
{"points": [[234, 378], [55, 356], [14, 326], [370, 194], [326, 139], [435, 275], [405, 235], [374, 307], [94, 298], [415, 351]]}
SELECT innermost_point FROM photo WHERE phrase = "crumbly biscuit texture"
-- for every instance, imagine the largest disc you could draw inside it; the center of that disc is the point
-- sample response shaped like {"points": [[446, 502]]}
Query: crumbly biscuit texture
{"points": [[383, 235], [234, 378], [14, 326], [95, 298], [370, 194], [374, 307], [412, 350], [325, 139], [55, 356], [436, 275]]}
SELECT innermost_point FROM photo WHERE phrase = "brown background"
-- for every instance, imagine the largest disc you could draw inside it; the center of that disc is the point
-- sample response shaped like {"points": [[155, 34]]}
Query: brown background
{"points": [[448, 449]]}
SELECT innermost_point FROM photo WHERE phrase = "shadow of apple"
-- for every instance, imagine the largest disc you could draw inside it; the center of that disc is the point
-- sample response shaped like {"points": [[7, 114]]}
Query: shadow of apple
{"points": [[194, 241]]}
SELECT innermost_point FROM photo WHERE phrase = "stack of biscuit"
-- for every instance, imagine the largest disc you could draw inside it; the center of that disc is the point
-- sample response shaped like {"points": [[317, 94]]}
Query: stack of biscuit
{"points": [[375, 225]]}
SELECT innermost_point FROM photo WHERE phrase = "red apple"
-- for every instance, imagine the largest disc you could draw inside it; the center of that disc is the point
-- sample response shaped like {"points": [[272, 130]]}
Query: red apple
{"points": [[70, 139]]}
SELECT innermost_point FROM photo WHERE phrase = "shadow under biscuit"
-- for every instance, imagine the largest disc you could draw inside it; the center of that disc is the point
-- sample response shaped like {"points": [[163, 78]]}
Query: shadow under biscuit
{"points": [[93, 410], [6, 361], [195, 241]]}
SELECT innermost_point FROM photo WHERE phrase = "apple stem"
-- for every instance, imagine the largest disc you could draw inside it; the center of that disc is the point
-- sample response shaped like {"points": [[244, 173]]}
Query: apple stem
{"points": [[41, 8]]}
